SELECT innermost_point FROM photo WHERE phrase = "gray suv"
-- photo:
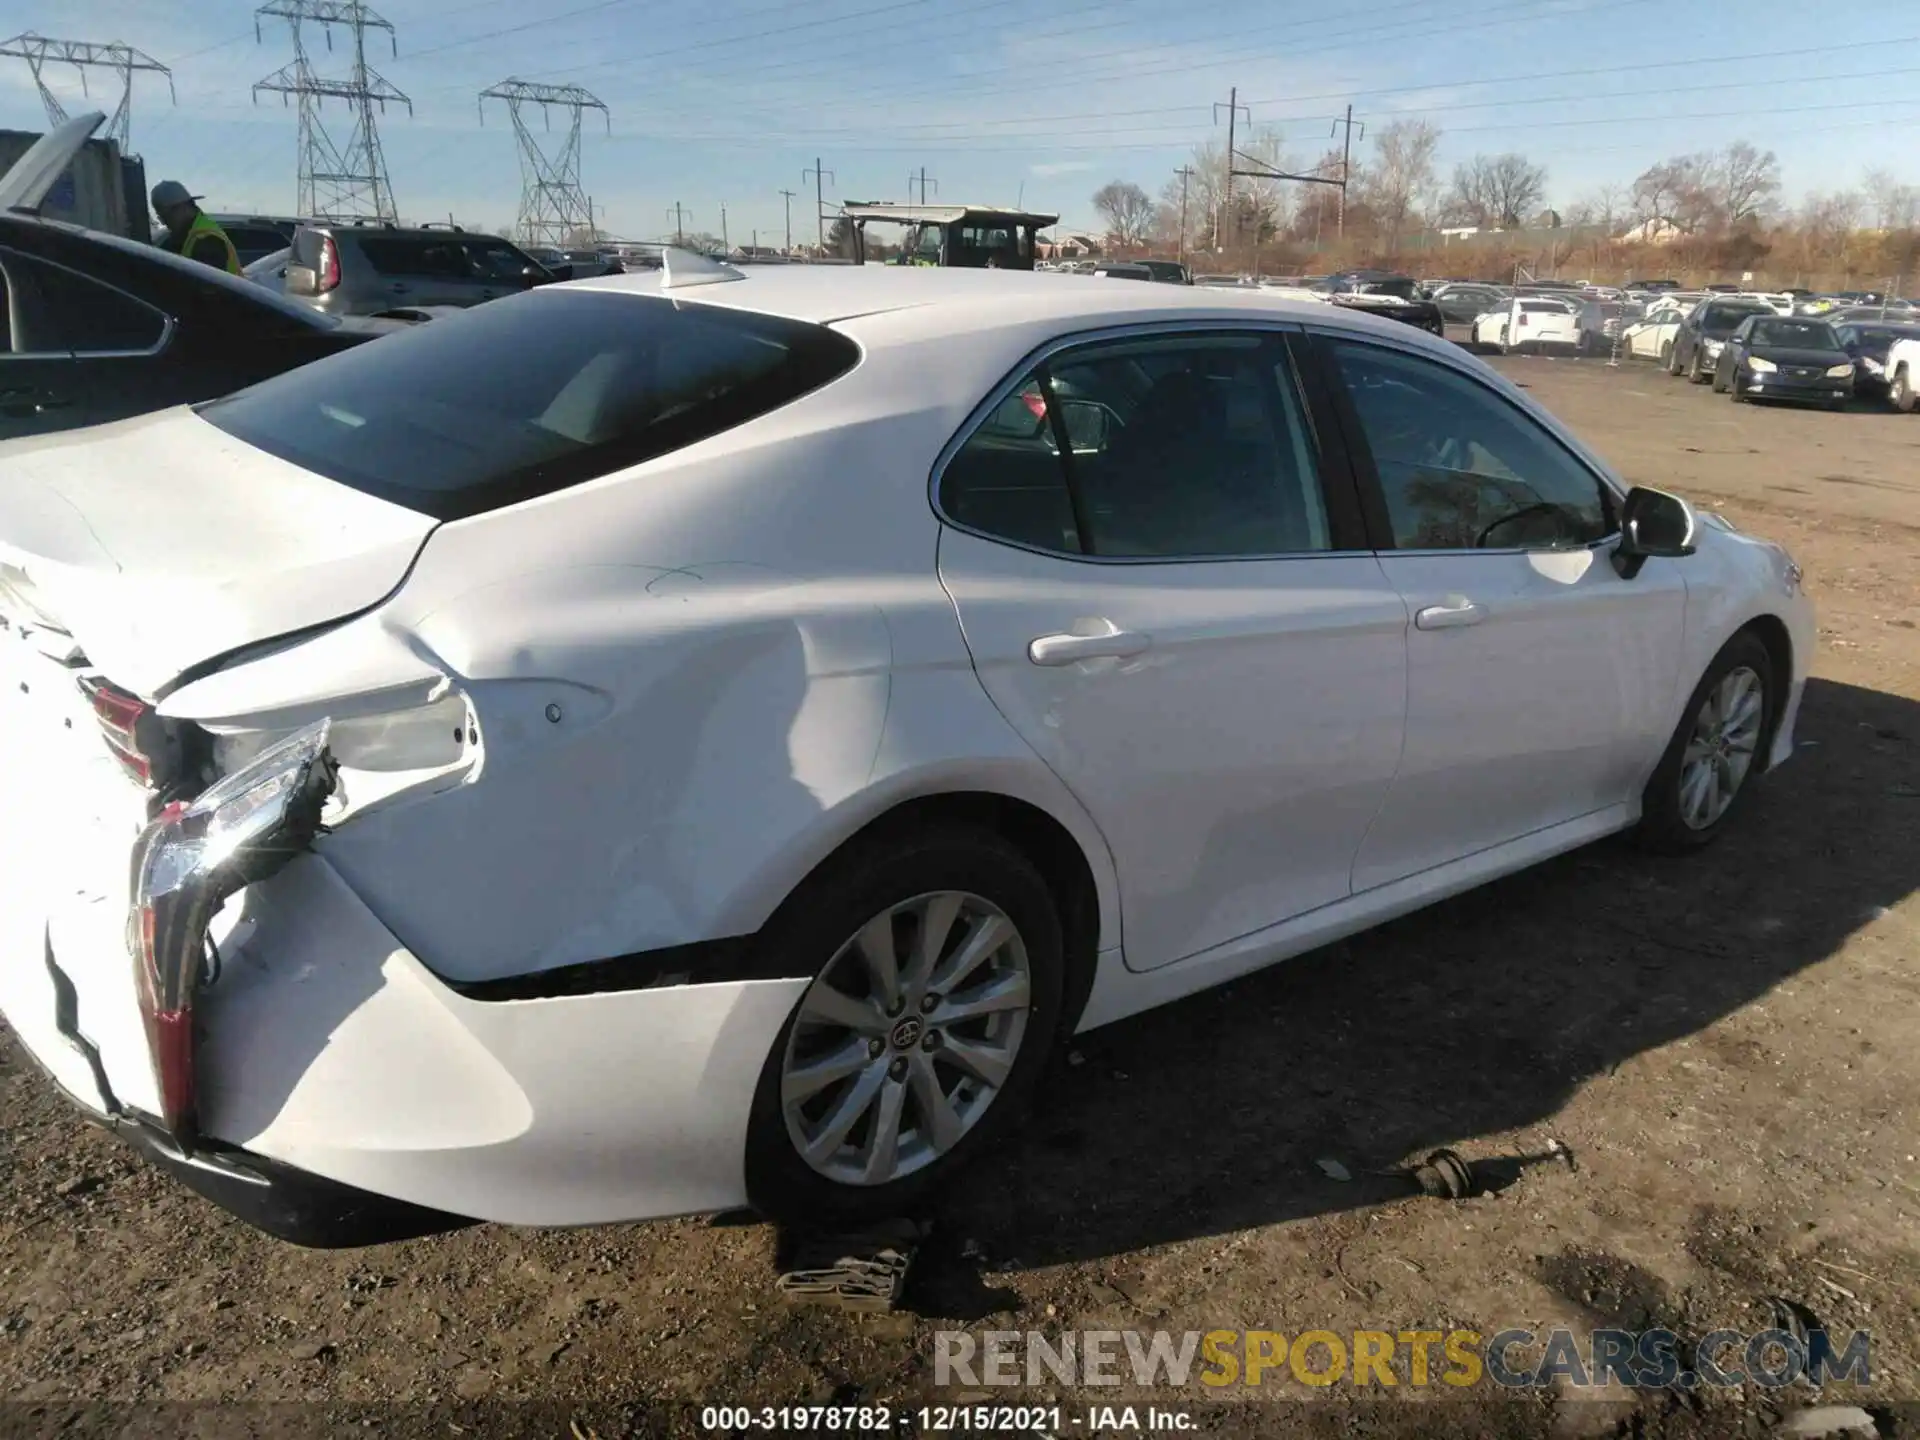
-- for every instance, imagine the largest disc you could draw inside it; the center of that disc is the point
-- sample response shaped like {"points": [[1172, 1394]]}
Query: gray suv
{"points": [[348, 269]]}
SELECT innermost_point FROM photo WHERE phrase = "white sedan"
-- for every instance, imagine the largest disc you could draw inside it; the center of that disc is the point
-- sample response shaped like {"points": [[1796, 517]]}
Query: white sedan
{"points": [[1651, 336], [686, 739], [1529, 322]]}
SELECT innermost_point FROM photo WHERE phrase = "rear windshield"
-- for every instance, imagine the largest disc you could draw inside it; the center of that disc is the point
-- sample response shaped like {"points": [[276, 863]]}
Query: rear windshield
{"points": [[528, 395], [1725, 319]]}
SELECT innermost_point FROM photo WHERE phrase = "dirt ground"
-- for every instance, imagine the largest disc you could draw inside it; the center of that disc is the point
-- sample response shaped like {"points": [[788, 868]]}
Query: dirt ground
{"points": [[1724, 1047]]}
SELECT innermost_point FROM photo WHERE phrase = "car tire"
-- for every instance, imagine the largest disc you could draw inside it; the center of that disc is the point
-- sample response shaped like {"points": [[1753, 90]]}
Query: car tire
{"points": [[1696, 373], [1670, 357], [816, 931], [1673, 819], [1719, 385], [1734, 390], [1902, 393]]}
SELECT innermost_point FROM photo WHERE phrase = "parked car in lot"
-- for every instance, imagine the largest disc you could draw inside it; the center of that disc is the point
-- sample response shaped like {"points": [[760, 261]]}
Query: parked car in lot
{"points": [[348, 269], [1600, 323], [256, 236], [1770, 357], [1868, 343], [1704, 331], [1903, 374], [100, 328], [1463, 304], [1123, 270], [610, 792], [1651, 336], [1530, 322]]}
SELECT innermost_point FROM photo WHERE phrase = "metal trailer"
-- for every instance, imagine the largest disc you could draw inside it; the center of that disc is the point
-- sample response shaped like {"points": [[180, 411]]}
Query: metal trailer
{"points": [[968, 236], [102, 189]]}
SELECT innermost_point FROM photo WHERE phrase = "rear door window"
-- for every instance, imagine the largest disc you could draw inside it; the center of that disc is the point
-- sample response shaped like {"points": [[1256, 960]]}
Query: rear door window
{"points": [[529, 395], [55, 311], [417, 257]]}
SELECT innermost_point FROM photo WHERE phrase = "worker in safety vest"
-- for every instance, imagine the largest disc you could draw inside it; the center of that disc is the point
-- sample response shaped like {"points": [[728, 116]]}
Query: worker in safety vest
{"points": [[189, 231]]}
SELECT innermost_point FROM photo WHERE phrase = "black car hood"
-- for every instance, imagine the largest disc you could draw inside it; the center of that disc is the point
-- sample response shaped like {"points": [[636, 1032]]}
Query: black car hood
{"points": [[1781, 355]]}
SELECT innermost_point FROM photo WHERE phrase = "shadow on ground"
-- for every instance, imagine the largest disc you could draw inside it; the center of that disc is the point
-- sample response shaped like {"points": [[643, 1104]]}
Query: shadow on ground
{"points": [[1476, 1017]]}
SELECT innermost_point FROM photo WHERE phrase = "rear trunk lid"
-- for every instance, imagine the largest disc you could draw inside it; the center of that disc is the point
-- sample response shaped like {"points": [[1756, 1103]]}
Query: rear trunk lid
{"points": [[160, 543]]}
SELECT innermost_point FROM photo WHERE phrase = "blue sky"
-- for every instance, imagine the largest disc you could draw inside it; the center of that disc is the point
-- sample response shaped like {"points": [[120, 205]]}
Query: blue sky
{"points": [[726, 102]]}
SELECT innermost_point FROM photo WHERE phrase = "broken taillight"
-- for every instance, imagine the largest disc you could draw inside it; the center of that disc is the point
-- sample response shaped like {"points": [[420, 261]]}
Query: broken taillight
{"points": [[186, 864], [133, 730], [329, 265]]}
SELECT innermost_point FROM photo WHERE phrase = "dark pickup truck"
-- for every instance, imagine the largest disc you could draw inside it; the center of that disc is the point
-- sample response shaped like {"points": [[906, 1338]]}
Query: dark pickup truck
{"points": [[1382, 292]]}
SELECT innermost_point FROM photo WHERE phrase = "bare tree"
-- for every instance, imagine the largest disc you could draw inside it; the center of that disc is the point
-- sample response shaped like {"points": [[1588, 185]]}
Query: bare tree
{"points": [[1895, 204], [1496, 190], [1400, 176], [1676, 192], [1742, 180], [1128, 211]]}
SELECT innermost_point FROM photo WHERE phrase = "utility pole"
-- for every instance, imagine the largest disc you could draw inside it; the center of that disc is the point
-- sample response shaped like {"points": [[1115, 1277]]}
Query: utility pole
{"points": [[553, 205], [38, 50], [819, 202], [1261, 170], [924, 182], [1346, 166], [336, 182], [726, 245], [680, 218], [1186, 173], [1233, 109], [788, 195]]}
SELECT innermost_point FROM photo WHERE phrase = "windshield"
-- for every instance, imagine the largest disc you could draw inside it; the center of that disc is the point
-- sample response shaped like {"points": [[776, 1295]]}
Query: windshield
{"points": [[531, 394], [1725, 319], [1794, 335]]}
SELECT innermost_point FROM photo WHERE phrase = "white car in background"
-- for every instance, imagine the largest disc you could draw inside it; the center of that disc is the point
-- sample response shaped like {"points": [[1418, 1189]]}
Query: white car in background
{"points": [[688, 738], [1902, 369], [1651, 336], [1530, 322]]}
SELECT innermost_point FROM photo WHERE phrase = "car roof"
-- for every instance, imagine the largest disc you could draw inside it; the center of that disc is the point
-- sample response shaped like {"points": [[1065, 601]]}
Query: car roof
{"points": [[967, 299]]}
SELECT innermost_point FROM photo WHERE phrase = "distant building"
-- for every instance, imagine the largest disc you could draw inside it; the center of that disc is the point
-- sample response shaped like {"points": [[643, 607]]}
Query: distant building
{"points": [[1656, 231], [1067, 245]]}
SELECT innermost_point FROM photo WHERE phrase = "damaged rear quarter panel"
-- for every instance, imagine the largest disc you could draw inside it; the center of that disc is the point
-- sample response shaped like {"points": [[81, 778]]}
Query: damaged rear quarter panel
{"points": [[648, 738]]}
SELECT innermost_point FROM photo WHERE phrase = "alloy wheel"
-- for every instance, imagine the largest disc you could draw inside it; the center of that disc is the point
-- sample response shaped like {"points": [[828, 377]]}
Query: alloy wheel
{"points": [[1720, 752], [905, 1039]]}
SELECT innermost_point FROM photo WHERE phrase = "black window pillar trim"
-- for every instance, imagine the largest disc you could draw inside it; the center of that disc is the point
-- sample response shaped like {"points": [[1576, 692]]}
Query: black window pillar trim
{"points": [[1063, 441], [1364, 490], [1341, 487]]}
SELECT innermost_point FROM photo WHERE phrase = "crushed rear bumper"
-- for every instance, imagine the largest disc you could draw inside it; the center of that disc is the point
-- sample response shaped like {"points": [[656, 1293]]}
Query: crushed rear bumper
{"points": [[288, 1203]]}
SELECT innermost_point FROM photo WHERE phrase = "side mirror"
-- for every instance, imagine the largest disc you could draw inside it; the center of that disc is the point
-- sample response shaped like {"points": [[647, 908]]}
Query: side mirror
{"points": [[301, 280], [1653, 525], [1086, 422]]}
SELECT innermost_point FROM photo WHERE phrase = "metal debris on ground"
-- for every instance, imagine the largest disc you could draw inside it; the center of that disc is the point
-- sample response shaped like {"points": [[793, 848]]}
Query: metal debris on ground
{"points": [[1828, 1420], [1443, 1175], [861, 1270]]}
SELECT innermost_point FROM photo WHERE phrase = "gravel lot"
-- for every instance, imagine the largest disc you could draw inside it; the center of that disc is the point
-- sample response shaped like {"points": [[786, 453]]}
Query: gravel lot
{"points": [[1725, 1046]]}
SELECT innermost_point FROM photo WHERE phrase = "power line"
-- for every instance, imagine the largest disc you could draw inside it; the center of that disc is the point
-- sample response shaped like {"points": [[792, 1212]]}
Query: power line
{"points": [[819, 201], [83, 55], [553, 206], [925, 180], [335, 182]]}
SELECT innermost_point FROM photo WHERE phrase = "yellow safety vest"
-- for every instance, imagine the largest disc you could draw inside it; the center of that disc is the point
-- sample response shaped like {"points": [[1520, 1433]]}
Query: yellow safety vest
{"points": [[202, 227]]}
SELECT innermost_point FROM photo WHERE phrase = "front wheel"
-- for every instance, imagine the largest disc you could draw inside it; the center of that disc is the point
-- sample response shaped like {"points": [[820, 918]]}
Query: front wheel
{"points": [[1902, 392], [1719, 383], [936, 998], [1704, 773], [1696, 372], [1670, 358]]}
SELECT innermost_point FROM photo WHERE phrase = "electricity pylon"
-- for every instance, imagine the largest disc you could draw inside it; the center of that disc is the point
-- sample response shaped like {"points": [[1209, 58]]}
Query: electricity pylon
{"points": [[553, 207], [39, 51], [337, 182]]}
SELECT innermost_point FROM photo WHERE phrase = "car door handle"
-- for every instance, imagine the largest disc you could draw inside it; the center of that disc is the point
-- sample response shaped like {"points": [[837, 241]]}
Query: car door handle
{"points": [[1458, 611], [1067, 649]]}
